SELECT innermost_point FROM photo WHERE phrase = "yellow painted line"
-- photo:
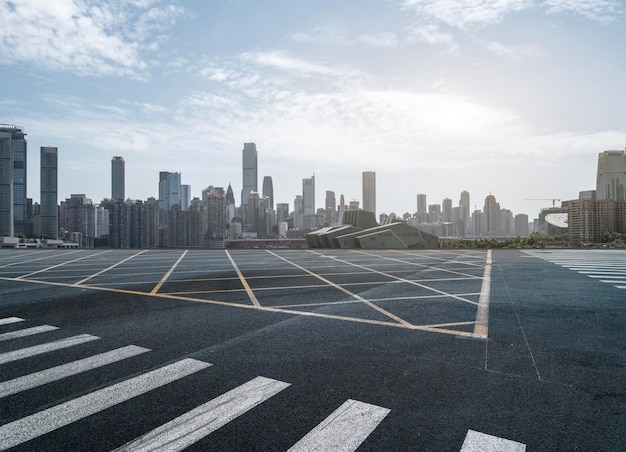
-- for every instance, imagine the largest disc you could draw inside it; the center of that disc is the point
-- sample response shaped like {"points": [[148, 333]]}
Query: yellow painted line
{"points": [[408, 281], [346, 291], [108, 268], [167, 275], [245, 284], [481, 328], [61, 264]]}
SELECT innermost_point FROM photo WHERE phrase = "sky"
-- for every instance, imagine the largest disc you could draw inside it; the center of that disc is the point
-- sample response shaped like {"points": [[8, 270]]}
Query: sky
{"points": [[513, 98]]}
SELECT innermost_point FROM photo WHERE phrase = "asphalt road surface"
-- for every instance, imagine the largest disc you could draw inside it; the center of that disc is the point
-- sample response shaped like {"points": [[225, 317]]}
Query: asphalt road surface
{"points": [[313, 350]]}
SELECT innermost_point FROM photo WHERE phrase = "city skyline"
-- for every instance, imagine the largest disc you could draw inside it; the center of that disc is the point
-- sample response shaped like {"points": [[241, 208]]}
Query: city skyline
{"points": [[511, 98]]}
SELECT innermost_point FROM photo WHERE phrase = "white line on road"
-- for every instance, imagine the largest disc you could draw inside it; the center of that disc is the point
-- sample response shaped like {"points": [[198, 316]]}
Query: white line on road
{"points": [[45, 421], [66, 370], [481, 328], [345, 429], [27, 352], [194, 425], [8, 320], [27, 332], [481, 442]]}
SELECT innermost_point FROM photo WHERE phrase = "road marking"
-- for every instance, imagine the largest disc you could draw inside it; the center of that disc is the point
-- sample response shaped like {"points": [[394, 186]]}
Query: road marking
{"points": [[60, 265], [169, 272], [481, 328], [35, 425], [27, 352], [39, 258], [345, 429], [8, 320], [344, 290], [194, 425], [245, 284], [481, 442], [107, 269], [66, 370], [27, 332]]}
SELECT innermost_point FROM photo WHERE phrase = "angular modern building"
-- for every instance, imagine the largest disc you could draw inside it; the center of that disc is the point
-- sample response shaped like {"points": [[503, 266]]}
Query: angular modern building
{"points": [[117, 179], [249, 176], [49, 210], [611, 177], [369, 191]]}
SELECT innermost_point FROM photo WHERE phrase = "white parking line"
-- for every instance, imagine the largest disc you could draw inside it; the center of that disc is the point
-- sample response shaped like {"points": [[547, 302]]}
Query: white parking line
{"points": [[66, 370], [27, 352], [345, 429], [27, 332], [194, 425], [30, 427], [481, 442], [8, 320]]}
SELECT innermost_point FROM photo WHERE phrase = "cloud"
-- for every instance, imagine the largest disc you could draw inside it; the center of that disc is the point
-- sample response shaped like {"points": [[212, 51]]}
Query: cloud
{"points": [[85, 37], [602, 11], [465, 14], [383, 39], [282, 61], [514, 53]]}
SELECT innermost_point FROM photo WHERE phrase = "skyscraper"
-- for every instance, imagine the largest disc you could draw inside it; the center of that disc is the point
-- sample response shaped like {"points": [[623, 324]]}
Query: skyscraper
{"points": [[169, 194], [117, 179], [268, 190], [308, 195], [422, 205], [13, 216], [250, 176], [446, 209], [48, 211], [611, 180], [369, 191]]}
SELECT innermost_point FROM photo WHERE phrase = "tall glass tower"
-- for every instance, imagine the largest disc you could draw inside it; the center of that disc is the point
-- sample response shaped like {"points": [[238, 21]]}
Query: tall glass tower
{"points": [[13, 216], [268, 190], [117, 179], [250, 176], [308, 195], [369, 191], [611, 179], [49, 210]]}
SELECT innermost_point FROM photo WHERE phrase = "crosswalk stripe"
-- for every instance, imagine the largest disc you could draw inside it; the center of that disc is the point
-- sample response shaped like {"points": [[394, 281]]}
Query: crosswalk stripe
{"points": [[481, 442], [345, 429], [45, 421], [194, 425], [8, 320], [66, 370], [44, 348], [27, 332]]}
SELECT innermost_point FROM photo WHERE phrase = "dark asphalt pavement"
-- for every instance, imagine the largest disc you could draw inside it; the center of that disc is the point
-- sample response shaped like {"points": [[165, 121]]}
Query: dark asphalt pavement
{"points": [[395, 330]]}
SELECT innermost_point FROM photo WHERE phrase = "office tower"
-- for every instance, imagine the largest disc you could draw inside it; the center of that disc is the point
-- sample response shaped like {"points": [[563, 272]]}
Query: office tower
{"points": [[282, 212], [268, 190], [521, 225], [49, 210], [331, 207], [216, 215], [80, 219], [369, 191], [421, 204], [254, 203], [117, 179], [13, 172], [446, 208], [341, 209], [308, 195], [464, 204], [250, 176], [169, 194], [611, 179], [185, 197], [230, 203], [492, 217]]}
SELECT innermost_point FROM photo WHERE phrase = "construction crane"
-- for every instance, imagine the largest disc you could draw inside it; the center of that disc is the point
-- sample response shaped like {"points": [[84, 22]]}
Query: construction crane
{"points": [[554, 200]]}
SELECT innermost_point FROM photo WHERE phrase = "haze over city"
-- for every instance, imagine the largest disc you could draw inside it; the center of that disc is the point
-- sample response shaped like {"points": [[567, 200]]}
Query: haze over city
{"points": [[514, 98]]}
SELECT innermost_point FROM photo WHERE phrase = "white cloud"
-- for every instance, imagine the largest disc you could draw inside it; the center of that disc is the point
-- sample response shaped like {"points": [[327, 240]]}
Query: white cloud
{"points": [[602, 11], [284, 62], [85, 37], [514, 53], [383, 39], [465, 14]]}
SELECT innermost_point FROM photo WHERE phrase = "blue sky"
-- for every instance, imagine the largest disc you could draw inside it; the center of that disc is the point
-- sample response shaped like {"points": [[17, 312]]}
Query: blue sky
{"points": [[510, 97]]}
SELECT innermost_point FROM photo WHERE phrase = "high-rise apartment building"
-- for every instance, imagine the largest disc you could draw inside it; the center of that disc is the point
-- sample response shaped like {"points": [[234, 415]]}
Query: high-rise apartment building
{"points": [[49, 210], [611, 178], [331, 207], [308, 195], [13, 199], [250, 176], [369, 191], [492, 217], [169, 193], [80, 219], [446, 209], [118, 179], [185, 197], [268, 190]]}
